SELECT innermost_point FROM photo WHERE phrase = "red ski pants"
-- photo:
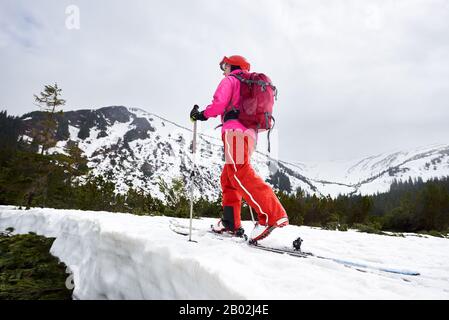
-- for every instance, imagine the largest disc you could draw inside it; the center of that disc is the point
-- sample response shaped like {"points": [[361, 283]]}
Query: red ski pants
{"points": [[239, 179]]}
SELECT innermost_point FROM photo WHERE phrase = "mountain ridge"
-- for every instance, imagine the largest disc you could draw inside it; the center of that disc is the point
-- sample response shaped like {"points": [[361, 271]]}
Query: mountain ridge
{"points": [[135, 148]]}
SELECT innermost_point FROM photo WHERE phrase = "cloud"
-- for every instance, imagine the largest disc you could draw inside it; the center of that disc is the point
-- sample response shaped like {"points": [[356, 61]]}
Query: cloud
{"points": [[352, 75]]}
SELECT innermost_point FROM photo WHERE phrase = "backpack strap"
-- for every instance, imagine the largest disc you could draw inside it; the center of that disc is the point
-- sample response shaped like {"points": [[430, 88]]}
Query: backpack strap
{"points": [[269, 129], [231, 114], [238, 76], [261, 83]]}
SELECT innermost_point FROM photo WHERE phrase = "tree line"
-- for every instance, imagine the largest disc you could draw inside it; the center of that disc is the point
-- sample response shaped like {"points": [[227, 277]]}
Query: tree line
{"points": [[409, 206]]}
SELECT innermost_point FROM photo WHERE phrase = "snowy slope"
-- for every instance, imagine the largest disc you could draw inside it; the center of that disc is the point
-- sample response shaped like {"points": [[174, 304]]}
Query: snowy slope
{"points": [[122, 256]]}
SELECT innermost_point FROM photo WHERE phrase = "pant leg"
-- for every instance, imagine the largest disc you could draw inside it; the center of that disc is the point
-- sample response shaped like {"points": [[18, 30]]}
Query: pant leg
{"points": [[232, 201], [254, 190]]}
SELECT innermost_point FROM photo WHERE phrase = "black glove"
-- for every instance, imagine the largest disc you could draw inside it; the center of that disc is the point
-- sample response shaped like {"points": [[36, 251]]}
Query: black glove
{"points": [[195, 114]]}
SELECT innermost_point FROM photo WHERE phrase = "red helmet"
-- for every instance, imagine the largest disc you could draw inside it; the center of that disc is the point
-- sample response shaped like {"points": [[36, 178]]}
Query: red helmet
{"points": [[236, 61]]}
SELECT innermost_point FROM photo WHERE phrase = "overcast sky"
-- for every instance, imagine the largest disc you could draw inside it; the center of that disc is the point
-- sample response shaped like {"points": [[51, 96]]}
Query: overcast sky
{"points": [[355, 78]]}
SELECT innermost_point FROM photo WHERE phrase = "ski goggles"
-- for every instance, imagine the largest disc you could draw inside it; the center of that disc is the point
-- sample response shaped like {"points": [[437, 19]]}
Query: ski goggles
{"points": [[223, 66]]}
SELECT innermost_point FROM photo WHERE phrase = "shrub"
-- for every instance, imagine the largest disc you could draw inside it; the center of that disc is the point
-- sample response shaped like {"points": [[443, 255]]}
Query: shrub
{"points": [[28, 271], [368, 228], [330, 226]]}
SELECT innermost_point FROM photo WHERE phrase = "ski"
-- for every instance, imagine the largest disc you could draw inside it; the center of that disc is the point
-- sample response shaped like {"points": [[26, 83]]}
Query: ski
{"points": [[356, 265], [178, 230], [291, 252], [176, 224], [183, 230], [295, 251]]}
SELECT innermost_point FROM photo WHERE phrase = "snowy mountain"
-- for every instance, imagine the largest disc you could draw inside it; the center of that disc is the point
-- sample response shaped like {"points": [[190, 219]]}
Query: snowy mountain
{"points": [[123, 256], [376, 173], [136, 148]]}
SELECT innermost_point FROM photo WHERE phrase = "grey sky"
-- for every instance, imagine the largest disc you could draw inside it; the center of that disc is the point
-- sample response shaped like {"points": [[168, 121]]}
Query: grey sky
{"points": [[355, 78]]}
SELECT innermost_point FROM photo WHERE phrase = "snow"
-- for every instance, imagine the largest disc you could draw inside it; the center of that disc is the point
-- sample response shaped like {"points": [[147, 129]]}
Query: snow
{"points": [[26, 138], [114, 133], [333, 189], [123, 256], [73, 131]]}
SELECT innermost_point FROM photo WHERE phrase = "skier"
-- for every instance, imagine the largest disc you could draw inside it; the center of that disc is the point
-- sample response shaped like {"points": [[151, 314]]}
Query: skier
{"points": [[238, 178]]}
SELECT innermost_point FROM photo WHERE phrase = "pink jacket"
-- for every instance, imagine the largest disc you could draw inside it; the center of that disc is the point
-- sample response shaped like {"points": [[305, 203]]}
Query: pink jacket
{"points": [[227, 94]]}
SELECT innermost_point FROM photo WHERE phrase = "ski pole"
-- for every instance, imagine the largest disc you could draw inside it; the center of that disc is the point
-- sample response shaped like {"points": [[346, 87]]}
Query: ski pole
{"points": [[192, 178]]}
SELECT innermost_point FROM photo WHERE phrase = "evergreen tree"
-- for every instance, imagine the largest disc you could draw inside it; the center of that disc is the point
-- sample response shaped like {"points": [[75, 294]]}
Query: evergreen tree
{"points": [[75, 162], [177, 202], [48, 101], [9, 134]]}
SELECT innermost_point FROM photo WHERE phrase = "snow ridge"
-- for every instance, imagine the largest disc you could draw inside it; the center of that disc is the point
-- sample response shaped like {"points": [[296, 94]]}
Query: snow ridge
{"points": [[123, 256], [108, 263]]}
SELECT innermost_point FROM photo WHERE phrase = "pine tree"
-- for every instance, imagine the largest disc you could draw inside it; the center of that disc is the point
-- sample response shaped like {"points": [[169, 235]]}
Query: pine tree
{"points": [[76, 162], [177, 202], [48, 101], [9, 134]]}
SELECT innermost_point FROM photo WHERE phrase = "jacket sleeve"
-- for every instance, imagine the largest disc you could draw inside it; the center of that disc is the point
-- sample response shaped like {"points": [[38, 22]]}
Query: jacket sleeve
{"points": [[222, 98]]}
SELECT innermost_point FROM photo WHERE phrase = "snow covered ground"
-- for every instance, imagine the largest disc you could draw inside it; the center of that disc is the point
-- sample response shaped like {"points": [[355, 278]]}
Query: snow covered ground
{"points": [[123, 256]]}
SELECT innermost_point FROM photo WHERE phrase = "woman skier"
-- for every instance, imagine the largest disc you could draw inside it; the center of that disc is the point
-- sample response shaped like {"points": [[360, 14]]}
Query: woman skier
{"points": [[238, 178]]}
